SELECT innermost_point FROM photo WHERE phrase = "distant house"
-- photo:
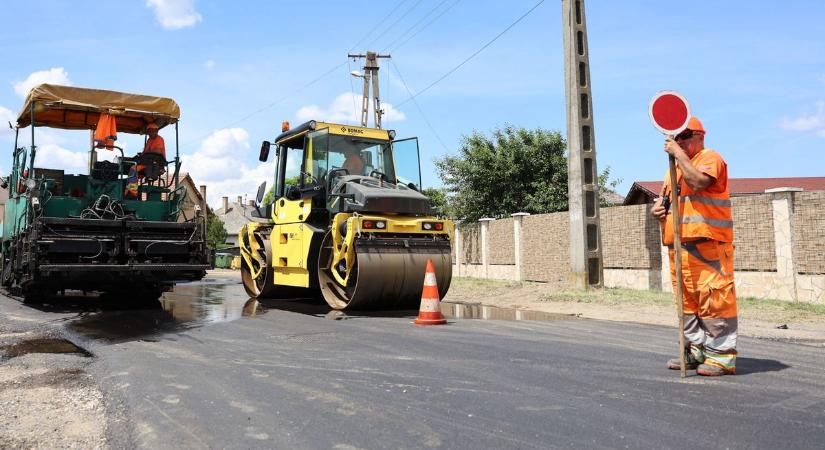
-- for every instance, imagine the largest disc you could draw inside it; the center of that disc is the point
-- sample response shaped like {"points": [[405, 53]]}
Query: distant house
{"points": [[646, 191], [234, 216], [194, 196], [611, 198]]}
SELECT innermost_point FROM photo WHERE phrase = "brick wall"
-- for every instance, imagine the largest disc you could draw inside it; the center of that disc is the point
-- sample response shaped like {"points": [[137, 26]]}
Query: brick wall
{"points": [[808, 225], [630, 238], [500, 235], [471, 243], [546, 247], [753, 233]]}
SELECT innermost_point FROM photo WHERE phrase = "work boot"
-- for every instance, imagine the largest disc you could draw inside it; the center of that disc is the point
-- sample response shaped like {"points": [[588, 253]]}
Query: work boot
{"points": [[690, 362], [710, 370]]}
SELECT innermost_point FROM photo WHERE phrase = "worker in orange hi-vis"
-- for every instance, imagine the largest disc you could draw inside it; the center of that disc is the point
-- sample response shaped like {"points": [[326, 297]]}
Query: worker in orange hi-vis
{"points": [[154, 144], [709, 302], [354, 163]]}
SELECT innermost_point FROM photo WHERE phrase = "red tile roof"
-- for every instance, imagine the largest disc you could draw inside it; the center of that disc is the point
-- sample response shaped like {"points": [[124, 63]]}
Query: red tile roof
{"points": [[741, 186]]}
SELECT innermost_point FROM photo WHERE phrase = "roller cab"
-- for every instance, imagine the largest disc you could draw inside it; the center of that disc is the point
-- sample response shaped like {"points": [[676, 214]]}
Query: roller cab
{"points": [[348, 221]]}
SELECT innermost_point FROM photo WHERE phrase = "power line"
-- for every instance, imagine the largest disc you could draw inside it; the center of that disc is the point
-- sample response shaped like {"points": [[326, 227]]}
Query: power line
{"points": [[270, 105], [415, 102], [378, 24], [451, 71], [393, 47], [394, 23]]}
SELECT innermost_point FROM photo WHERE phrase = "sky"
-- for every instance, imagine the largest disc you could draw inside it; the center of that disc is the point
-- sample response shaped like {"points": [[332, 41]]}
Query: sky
{"points": [[752, 71]]}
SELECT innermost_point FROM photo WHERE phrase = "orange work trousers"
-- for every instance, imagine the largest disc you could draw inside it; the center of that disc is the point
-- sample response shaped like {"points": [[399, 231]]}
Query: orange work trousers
{"points": [[709, 302]]}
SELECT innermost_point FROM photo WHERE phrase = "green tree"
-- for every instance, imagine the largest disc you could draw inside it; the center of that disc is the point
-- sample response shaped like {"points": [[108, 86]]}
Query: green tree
{"points": [[514, 170], [215, 233], [269, 197], [439, 201]]}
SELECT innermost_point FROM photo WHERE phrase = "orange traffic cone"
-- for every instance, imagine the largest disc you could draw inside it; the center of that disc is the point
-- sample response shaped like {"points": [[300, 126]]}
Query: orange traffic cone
{"points": [[430, 311]]}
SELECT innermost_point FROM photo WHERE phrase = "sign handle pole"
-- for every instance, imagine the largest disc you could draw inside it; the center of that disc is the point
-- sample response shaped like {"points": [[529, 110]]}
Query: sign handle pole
{"points": [[677, 261]]}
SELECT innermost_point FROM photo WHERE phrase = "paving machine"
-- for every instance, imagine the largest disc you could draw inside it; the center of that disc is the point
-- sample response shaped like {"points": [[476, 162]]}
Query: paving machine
{"points": [[348, 219], [78, 231]]}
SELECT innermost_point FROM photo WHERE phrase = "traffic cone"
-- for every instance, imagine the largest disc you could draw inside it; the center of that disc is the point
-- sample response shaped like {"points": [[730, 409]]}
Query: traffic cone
{"points": [[430, 311]]}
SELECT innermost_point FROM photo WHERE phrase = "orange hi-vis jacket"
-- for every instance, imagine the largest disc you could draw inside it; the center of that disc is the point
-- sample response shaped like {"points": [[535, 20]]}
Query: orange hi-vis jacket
{"points": [[155, 145], [706, 214]]}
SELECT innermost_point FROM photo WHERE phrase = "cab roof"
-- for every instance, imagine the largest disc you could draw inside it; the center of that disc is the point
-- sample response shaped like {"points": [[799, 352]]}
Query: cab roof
{"points": [[77, 108], [335, 129]]}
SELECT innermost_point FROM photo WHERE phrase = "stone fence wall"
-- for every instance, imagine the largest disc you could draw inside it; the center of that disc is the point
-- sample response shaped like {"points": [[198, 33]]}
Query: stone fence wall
{"points": [[779, 238]]}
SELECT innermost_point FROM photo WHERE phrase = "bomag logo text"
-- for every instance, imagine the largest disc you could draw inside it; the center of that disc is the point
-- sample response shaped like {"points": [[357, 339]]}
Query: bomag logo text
{"points": [[352, 130]]}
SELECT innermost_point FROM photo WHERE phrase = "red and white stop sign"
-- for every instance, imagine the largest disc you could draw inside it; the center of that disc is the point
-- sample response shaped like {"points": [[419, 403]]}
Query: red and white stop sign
{"points": [[669, 112]]}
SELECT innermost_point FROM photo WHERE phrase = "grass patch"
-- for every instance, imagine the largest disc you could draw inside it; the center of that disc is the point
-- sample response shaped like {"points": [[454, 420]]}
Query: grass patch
{"points": [[610, 296], [750, 306], [483, 283]]}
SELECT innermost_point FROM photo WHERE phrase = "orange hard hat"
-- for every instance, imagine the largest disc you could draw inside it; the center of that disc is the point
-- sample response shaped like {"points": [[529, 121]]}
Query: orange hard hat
{"points": [[695, 125], [152, 125]]}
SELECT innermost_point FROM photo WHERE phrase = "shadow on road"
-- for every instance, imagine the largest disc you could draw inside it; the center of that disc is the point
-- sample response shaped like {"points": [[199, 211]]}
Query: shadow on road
{"points": [[746, 366]]}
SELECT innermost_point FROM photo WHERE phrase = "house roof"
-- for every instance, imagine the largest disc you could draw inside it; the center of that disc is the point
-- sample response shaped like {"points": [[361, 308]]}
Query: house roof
{"points": [[611, 198], [235, 217], [182, 177], [736, 186]]}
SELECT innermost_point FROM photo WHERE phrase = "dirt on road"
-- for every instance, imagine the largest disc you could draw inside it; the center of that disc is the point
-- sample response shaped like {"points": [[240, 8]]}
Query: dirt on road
{"points": [[771, 319], [47, 400]]}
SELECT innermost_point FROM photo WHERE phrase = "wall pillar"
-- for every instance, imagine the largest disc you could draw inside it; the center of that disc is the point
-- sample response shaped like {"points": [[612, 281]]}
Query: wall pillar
{"points": [[459, 249], [485, 249], [782, 202], [518, 219]]}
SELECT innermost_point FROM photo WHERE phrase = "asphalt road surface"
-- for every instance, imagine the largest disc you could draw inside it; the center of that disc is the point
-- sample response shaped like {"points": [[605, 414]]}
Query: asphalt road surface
{"points": [[213, 369]]}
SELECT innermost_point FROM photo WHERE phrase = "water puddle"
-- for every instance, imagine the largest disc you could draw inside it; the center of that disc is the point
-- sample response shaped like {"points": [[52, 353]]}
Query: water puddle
{"points": [[213, 301], [458, 310], [44, 345]]}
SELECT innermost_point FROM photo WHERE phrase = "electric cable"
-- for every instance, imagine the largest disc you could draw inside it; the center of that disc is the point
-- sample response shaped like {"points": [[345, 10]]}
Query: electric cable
{"points": [[270, 105], [415, 102], [391, 46], [378, 24], [483, 47], [392, 25]]}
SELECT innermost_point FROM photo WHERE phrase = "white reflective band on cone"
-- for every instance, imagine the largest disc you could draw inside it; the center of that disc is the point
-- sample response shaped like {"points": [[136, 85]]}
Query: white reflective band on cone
{"points": [[429, 279], [429, 305]]}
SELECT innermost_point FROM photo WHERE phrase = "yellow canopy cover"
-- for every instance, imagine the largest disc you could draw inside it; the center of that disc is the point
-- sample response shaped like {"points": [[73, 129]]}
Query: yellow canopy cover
{"points": [[76, 108]]}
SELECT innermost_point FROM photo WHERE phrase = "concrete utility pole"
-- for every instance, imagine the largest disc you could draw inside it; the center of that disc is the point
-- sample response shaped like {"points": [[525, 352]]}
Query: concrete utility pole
{"points": [[370, 71], [586, 269]]}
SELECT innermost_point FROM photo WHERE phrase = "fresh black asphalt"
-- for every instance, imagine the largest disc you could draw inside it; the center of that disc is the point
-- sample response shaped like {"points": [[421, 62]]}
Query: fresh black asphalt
{"points": [[223, 372]]}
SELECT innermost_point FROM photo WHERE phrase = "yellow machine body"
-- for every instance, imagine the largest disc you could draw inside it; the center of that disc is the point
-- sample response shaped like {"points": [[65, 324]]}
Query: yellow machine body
{"points": [[355, 259]]}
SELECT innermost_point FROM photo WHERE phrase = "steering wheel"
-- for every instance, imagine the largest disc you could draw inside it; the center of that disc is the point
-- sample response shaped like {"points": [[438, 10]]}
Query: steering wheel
{"points": [[154, 165]]}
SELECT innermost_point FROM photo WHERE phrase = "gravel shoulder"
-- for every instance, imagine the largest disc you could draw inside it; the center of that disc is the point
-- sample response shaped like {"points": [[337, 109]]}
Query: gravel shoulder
{"points": [[48, 400], [770, 319]]}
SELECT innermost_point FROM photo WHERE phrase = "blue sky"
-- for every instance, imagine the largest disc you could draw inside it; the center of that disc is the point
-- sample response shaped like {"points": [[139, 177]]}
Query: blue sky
{"points": [[753, 71]]}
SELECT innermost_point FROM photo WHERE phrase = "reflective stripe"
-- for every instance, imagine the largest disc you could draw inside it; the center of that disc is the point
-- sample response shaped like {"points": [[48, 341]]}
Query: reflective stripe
{"points": [[707, 200], [693, 332], [721, 344], [694, 252], [718, 223]]}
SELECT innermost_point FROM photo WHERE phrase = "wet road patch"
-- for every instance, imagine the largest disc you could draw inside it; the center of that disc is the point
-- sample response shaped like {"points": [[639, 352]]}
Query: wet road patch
{"points": [[42, 345]]}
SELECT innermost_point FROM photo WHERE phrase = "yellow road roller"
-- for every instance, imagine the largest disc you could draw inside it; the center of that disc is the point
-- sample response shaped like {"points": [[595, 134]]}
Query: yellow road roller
{"points": [[348, 221]]}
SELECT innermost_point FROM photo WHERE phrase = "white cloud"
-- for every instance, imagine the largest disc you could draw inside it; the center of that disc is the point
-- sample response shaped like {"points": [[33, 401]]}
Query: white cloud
{"points": [[209, 64], [814, 122], [175, 14], [55, 75], [51, 155], [346, 108], [218, 163]]}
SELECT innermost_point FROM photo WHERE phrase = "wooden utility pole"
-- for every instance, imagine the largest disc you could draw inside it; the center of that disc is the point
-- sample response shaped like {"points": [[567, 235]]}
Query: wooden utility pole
{"points": [[370, 72], [586, 269]]}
